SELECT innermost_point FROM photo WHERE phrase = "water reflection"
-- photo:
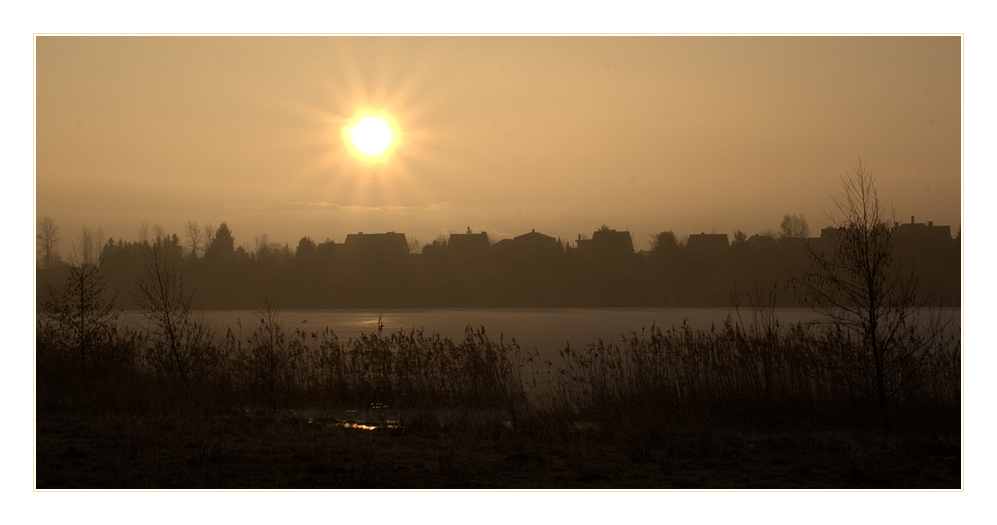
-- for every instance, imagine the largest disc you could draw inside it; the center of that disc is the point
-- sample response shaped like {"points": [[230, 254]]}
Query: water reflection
{"points": [[379, 417]]}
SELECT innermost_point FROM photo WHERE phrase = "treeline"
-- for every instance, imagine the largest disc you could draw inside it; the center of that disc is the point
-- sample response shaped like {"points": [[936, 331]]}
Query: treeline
{"points": [[468, 270]]}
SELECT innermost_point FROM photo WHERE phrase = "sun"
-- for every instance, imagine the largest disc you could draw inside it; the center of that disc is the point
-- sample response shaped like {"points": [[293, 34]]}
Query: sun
{"points": [[371, 136]]}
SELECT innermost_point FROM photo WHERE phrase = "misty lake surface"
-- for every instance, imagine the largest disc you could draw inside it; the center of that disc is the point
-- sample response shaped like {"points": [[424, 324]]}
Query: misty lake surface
{"points": [[544, 329]]}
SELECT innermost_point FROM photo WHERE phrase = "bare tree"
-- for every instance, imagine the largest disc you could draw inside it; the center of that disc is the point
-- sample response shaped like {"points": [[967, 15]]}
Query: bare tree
{"points": [[194, 238], [414, 246], [159, 232], [263, 248], [86, 251], [48, 242], [856, 283], [794, 226], [209, 235], [143, 233], [81, 309]]}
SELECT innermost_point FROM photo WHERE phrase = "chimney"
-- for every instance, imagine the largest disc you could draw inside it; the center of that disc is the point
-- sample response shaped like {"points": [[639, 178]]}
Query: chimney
{"points": [[931, 223], [912, 219]]}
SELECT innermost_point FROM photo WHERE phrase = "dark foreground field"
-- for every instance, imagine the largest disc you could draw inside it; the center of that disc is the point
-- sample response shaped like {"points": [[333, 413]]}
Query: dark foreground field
{"points": [[79, 451]]}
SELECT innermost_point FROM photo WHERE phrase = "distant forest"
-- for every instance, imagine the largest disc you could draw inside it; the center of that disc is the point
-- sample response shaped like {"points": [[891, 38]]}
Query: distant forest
{"points": [[387, 270]]}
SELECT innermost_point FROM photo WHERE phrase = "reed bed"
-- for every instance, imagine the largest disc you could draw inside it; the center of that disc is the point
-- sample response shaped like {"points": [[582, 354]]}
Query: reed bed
{"points": [[746, 376], [761, 374]]}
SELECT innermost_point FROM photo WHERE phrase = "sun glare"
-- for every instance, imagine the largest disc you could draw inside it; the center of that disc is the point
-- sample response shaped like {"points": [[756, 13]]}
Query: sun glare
{"points": [[372, 135], [377, 140]]}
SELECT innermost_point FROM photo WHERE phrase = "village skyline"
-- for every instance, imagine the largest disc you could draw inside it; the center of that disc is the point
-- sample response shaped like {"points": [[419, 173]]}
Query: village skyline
{"points": [[468, 269], [201, 233]]}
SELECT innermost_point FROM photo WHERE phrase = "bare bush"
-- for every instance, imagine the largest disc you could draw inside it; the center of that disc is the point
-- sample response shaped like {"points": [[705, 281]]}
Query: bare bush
{"points": [[181, 342]]}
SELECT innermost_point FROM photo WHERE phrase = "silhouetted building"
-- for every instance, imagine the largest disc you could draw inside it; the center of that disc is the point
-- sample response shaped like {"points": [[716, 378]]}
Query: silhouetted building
{"points": [[760, 243], [828, 238], [328, 250], [376, 250], [922, 236], [534, 242], [530, 252], [468, 243], [606, 243], [926, 246], [468, 253], [504, 246]]}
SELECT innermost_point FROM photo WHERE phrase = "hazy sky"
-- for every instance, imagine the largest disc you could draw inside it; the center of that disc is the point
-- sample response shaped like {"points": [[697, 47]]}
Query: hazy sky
{"points": [[500, 134]]}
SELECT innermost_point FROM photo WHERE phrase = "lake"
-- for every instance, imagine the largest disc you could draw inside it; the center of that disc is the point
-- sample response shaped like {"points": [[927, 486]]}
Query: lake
{"points": [[544, 329]]}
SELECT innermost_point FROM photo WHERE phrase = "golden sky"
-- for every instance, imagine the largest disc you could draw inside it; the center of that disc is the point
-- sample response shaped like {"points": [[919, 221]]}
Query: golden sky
{"points": [[560, 134]]}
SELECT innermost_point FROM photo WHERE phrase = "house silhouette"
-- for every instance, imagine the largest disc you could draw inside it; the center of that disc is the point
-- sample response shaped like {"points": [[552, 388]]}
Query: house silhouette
{"points": [[468, 243], [376, 250], [606, 243]]}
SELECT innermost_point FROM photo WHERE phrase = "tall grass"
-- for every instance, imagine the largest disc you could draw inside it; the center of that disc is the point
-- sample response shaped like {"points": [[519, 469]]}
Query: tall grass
{"points": [[761, 374], [746, 376], [408, 370]]}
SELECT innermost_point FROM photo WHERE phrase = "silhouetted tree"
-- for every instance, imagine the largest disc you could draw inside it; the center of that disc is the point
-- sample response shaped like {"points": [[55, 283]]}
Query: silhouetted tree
{"points": [[80, 313], [414, 246], [48, 242], [222, 245], [664, 242], [264, 248], [665, 249], [305, 250], [194, 238], [855, 283], [794, 227], [209, 235], [740, 252]]}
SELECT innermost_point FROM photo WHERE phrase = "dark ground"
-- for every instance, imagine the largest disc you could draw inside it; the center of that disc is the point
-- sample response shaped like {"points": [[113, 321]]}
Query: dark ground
{"points": [[79, 451]]}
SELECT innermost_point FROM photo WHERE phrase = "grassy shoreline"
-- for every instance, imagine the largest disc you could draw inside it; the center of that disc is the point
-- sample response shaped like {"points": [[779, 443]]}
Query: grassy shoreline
{"points": [[729, 408]]}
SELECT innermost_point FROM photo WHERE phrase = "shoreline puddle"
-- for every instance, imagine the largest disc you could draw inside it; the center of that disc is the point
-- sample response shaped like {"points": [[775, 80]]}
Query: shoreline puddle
{"points": [[384, 418]]}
